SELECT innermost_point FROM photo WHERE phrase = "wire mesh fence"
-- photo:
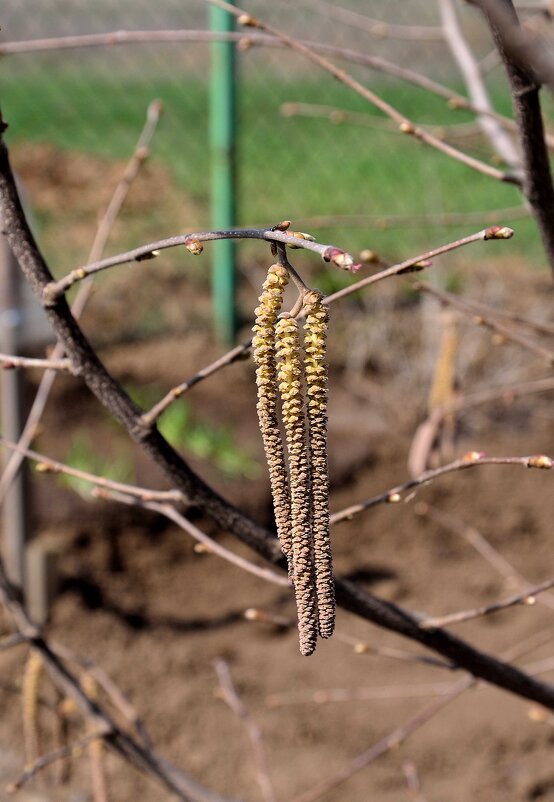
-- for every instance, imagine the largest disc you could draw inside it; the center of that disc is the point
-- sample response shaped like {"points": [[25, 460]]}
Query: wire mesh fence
{"points": [[308, 149]]}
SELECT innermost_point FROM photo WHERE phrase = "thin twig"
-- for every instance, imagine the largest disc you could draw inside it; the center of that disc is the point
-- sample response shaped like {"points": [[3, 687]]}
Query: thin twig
{"points": [[380, 29], [417, 262], [48, 465], [103, 230], [527, 597], [11, 361], [477, 541], [46, 760], [470, 460], [230, 696], [390, 741], [405, 124], [329, 253], [475, 84], [421, 261], [489, 322], [211, 545], [359, 647]]}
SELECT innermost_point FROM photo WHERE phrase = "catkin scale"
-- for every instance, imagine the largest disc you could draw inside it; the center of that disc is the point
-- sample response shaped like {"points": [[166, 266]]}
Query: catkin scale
{"points": [[263, 345], [315, 347], [289, 375], [29, 703]]}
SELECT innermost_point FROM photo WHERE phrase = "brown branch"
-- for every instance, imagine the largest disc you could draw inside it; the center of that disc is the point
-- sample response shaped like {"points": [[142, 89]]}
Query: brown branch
{"points": [[359, 647], [10, 361], [230, 696], [488, 322], [390, 741], [423, 260], [483, 547], [329, 253], [475, 85], [212, 546], [380, 29], [111, 395], [141, 757], [470, 460], [507, 394], [406, 125], [46, 760], [527, 597], [324, 696], [103, 231], [48, 465], [537, 181]]}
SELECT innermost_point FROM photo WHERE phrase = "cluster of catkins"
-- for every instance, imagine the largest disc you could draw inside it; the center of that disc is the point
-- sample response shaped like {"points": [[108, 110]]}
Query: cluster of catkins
{"points": [[299, 482]]}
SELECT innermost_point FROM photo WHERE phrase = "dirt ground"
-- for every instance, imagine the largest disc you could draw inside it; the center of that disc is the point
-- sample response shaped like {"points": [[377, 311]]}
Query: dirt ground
{"points": [[155, 614]]}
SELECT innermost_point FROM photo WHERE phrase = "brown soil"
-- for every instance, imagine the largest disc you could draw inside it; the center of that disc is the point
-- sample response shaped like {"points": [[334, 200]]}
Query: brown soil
{"points": [[139, 600]]}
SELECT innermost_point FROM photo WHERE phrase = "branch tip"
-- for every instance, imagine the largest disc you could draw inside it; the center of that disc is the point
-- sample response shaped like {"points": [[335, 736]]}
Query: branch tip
{"points": [[540, 461], [498, 232]]}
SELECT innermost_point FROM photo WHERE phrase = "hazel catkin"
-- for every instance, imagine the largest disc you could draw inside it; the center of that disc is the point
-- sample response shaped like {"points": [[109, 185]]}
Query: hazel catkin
{"points": [[289, 374], [315, 362], [263, 345]]}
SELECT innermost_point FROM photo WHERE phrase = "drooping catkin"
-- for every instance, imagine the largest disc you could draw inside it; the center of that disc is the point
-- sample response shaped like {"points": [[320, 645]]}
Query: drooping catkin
{"points": [[29, 703], [263, 345], [289, 372], [315, 347]]}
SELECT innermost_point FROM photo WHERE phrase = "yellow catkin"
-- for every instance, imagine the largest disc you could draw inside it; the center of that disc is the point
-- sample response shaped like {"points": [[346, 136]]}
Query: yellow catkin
{"points": [[263, 345], [29, 703], [96, 747], [289, 371], [315, 346]]}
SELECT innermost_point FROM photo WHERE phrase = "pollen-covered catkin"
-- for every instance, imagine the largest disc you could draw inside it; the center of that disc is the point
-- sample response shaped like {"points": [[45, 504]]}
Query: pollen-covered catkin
{"points": [[289, 372], [263, 345], [315, 342]]}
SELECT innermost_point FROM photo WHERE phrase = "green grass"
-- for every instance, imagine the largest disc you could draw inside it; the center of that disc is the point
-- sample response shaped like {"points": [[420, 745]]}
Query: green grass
{"points": [[289, 168]]}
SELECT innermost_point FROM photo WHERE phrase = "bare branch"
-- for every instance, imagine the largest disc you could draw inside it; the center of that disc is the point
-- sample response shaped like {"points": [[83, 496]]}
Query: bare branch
{"points": [[375, 27], [329, 253], [211, 545], [48, 465], [527, 597], [102, 233], [230, 696], [537, 183], [470, 460], [391, 741], [477, 541], [488, 322], [469, 68], [10, 361], [421, 261], [406, 125], [46, 760]]}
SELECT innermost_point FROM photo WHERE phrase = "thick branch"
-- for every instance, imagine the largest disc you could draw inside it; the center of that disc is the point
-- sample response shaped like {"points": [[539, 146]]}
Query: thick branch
{"points": [[537, 182]]}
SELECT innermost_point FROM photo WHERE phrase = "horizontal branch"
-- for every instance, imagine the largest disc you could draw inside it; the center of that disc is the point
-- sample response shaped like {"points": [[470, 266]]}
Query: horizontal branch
{"points": [[329, 253], [49, 465], [484, 319], [10, 361], [471, 460], [525, 597], [423, 260]]}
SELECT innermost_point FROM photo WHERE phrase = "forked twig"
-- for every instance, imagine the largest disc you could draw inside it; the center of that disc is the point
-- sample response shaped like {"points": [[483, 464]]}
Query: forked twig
{"points": [[526, 597]]}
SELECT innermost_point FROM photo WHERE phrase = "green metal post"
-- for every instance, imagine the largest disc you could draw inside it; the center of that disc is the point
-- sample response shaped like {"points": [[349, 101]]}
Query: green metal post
{"points": [[222, 141]]}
